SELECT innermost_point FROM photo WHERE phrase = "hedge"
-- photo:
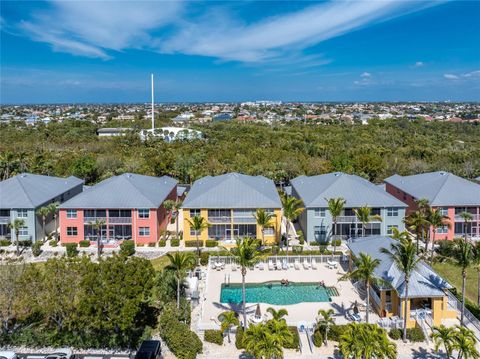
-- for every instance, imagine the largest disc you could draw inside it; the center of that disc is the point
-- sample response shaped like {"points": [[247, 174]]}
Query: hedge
{"points": [[336, 242], [214, 336], [162, 243], [53, 243], [26, 243], [318, 338], [193, 243], [175, 242], [239, 339], [84, 243], [181, 341], [209, 243], [127, 248], [37, 249], [395, 334], [415, 335], [295, 342], [71, 249], [4, 242], [336, 331]]}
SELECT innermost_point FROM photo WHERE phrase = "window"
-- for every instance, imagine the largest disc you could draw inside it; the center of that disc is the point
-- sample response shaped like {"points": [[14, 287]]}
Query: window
{"points": [[390, 228], [71, 213], [143, 213], [22, 213], [216, 231], [375, 212], [72, 231], [194, 212], [269, 231], [443, 211], [442, 230], [319, 212], [245, 230], [392, 212], [194, 232], [144, 231], [320, 233], [23, 231]]}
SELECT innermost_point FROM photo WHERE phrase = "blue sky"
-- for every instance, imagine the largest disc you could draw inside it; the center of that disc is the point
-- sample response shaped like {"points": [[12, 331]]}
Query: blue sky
{"points": [[69, 51]]}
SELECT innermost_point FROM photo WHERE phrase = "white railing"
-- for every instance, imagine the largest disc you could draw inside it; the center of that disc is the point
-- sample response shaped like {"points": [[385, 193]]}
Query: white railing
{"points": [[469, 318], [375, 297], [4, 219], [222, 219], [475, 218], [93, 219], [119, 219], [290, 260]]}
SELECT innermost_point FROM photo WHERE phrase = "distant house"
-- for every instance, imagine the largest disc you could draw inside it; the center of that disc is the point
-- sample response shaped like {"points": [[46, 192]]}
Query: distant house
{"points": [[130, 207], [427, 292], [229, 202], [22, 195], [112, 132], [316, 221], [170, 134], [222, 117], [187, 116], [444, 191]]}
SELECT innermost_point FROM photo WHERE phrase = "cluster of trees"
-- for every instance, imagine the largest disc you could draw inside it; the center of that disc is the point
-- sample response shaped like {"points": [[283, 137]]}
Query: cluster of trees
{"points": [[76, 302], [280, 152]]}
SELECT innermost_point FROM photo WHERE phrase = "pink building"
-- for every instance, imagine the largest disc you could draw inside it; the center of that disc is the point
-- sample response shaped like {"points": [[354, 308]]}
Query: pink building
{"points": [[129, 207], [445, 192]]}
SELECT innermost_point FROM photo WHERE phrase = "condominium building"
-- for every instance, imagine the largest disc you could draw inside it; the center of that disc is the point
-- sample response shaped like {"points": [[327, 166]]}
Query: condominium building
{"points": [[22, 195], [316, 222], [228, 203], [124, 207], [448, 193]]}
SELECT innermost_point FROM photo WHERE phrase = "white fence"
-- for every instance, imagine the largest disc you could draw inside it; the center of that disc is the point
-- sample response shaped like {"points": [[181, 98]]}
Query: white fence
{"points": [[214, 260]]}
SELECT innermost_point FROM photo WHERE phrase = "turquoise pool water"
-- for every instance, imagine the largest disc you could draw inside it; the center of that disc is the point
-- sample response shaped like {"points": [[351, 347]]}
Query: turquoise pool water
{"points": [[275, 293]]}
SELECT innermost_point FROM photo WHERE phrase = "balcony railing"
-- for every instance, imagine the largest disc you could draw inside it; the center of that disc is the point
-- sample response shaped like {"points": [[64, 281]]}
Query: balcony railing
{"points": [[119, 220], [93, 219], [251, 220], [475, 218], [4, 219], [222, 219], [352, 219]]}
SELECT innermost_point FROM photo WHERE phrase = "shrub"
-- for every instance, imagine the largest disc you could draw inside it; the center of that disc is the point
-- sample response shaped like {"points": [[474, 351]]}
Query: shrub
{"points": [[336, 331], [183, 343], [336, 242], [175, 242], [214, 336], [297, 249], [37, 249], [193, 243], [204, 258], [84, 243], [445, 248], [151, 244], [127, 248], [53, 243], [314, 244], [295, 342], [4, 242], [162, 243], [415, 335], [318, 338], [71, 249], [26, 243], [395, 334], [239, 339], [211, 243]]}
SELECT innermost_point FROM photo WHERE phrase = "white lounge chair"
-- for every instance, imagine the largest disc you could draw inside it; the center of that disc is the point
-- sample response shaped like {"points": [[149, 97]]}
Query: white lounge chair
{"points": [[261, 266], [271, 266], [285, 264], [306, 265], [332, 264], [234, 267], [297, 264], [278, 265], [314, 264]]}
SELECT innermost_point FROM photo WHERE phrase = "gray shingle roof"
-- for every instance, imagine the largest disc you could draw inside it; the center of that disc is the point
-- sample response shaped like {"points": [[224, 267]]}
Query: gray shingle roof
{"points": [[125, 191], [440, 188], [29, 191], [233, 190], [424, 282], [355, 190]]}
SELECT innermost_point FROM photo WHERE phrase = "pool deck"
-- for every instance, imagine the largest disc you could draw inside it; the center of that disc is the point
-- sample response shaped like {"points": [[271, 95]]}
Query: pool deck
{"points": [[300, 313]]}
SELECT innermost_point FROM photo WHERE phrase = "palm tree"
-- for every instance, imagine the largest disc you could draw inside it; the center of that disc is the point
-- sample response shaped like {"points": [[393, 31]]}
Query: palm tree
{"points": [[261, 343], [467, 217], [365, 272], [277, 314], [445, 336], [436, 219], [476, 262], [417, 222], [98, 226], [168, 205], [403, 254], [176, 208], [364, 216], [16, 225], [335, 207], [465, 343], [229, 320], [198, 224], [423, 206], [43, 212], [365, 341], [246, 254], [54, 209], [325, 322], [463, 255], [292, 208], [264, 220], [280, 330], [180, 262]]}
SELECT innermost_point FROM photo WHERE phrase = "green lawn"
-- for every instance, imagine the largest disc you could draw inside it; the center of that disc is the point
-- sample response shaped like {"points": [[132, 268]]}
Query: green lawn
{"points": [[160, 262], [453, 275]]}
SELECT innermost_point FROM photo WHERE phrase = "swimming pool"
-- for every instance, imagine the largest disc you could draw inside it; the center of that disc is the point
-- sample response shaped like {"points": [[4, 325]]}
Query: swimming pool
{"points": [[277, 294]]}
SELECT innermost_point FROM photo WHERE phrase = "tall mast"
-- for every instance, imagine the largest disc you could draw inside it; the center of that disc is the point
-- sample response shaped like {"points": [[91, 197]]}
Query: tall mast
{"points": [[153, 109]]}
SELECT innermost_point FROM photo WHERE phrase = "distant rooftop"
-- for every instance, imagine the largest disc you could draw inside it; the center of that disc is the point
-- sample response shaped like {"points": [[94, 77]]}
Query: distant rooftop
{"points": [[29, 191], [356, 191], [440, 188]]}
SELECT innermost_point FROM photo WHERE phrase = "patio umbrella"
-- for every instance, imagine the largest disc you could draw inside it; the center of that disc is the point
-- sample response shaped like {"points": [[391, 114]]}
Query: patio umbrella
{"points": [[258, 313]]}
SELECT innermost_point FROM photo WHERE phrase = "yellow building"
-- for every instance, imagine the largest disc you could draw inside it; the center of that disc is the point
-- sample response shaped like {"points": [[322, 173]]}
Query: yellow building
{"points": [[228, 203], [428, 297]]}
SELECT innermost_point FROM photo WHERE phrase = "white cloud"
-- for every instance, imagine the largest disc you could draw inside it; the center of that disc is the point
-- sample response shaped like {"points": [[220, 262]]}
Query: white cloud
{"points": [[95, 29], [465, 76], [419, 64], [451, 76], [366, 74], [472, 74]]}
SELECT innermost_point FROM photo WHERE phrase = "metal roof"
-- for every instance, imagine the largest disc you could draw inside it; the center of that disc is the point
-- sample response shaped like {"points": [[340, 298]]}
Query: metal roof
{"points": [[125, 191], [424, 282], [315, 190], [440, 188], [233, 190], [29, 191]]}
